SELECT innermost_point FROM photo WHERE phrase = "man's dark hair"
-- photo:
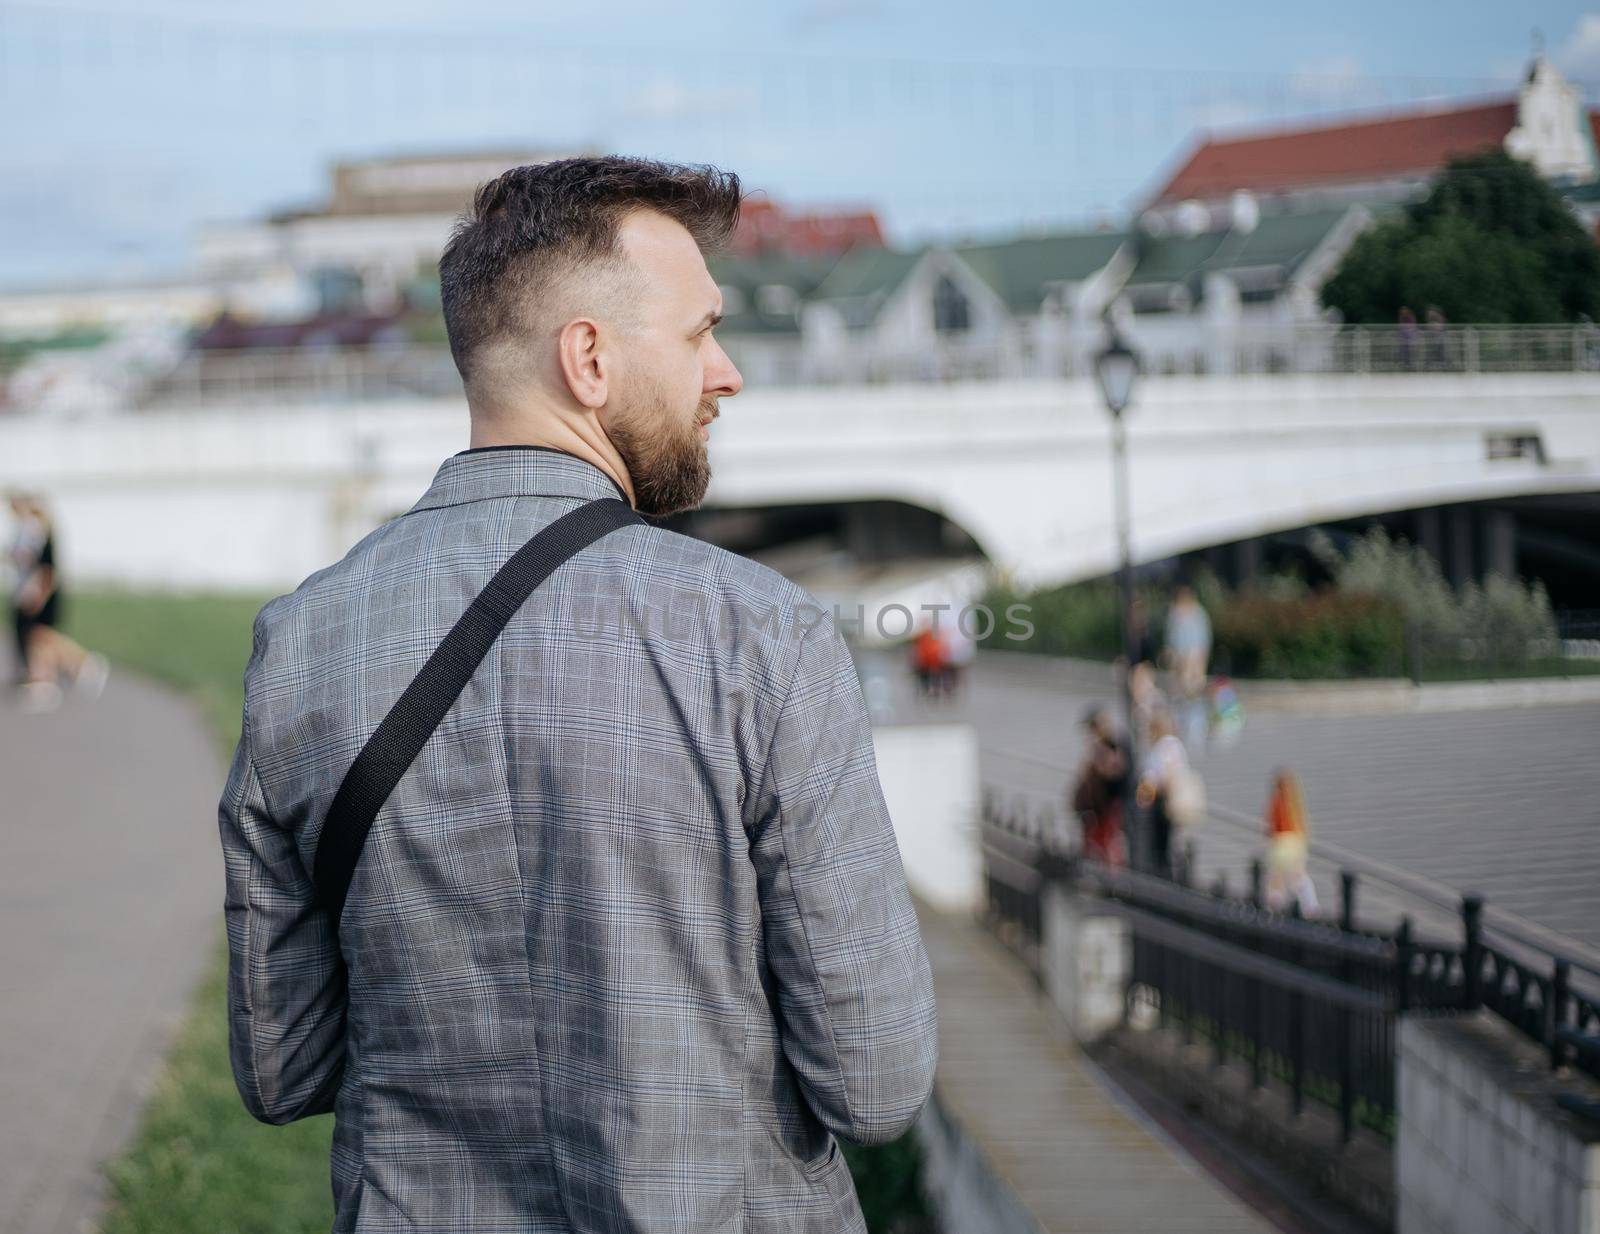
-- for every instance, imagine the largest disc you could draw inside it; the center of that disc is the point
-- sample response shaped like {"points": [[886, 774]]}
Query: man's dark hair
{"points": [[533, 220]]}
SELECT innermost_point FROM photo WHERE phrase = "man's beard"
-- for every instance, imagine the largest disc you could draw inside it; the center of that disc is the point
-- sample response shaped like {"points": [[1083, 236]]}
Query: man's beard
{"points": [[666, 459]]}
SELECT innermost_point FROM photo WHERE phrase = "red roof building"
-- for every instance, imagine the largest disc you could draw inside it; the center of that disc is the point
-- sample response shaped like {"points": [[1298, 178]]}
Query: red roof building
{"points": [[1392, 155], [1294, 160], [767, 229]]}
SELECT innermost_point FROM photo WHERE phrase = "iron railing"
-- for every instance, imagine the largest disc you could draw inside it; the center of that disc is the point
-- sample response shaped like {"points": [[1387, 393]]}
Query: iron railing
{"points": [[1542, 1002], [1569, 648], [1172, 348], [390, 370], [1309, 1004]]}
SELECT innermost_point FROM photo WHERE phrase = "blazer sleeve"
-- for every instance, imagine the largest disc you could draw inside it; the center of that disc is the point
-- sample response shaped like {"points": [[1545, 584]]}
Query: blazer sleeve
{"points": [[852, 979], [286, 978]]}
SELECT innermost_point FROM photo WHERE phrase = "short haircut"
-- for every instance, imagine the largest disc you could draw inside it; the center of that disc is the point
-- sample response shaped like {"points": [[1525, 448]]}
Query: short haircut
{"points": [[531, 225]]}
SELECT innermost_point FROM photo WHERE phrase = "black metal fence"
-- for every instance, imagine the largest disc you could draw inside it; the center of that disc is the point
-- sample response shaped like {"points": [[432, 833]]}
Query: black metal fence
{"points": [[1570, 649], [1309, 1004], [1018, 848], [1543, 1004]]}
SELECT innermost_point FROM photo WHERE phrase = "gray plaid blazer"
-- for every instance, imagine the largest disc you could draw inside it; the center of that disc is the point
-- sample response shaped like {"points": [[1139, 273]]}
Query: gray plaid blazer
{"points": [[631, 941]]}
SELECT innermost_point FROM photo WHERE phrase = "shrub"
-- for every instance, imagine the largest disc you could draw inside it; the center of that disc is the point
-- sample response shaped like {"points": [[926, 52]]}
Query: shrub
{"points": [[1384, 591], [1323, 634], [1081, 619], [1503, 620]]}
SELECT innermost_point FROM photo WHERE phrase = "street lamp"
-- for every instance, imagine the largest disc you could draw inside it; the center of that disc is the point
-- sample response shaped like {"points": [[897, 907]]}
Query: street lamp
{"points": [[1115, 369]]}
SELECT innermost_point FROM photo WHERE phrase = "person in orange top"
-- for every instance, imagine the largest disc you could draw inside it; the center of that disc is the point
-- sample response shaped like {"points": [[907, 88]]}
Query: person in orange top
{"points": [[928, 660], [1288, 831]]}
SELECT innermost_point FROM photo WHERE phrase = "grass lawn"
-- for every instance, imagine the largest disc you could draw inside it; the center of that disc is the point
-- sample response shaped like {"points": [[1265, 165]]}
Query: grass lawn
{"points": [[199, 1164], [1479, 671], [197, 643]]}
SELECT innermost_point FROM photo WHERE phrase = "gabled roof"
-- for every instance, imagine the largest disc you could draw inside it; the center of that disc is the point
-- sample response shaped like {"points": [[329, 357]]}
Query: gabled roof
{"points": [[863, 280], [1351, 152], [1279, 242], [753, 277], [867, 272], [1020, 271]]}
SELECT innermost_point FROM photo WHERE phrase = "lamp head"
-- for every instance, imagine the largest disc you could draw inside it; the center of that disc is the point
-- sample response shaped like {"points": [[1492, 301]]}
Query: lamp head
{"points": [[1115, 369]]}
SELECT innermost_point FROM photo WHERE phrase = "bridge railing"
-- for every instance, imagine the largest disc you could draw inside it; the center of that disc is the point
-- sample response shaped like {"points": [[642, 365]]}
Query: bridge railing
{"points": [[1311, 348], [275, 376], [1388, 350], [1309, 1004], [389, 370]]}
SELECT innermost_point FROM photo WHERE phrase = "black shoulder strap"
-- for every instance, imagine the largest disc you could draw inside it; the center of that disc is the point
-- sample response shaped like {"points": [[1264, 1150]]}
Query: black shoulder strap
{"points": [[392, 749]]}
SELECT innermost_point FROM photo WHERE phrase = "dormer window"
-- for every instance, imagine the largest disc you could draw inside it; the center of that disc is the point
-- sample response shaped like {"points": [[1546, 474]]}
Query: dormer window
{"points": [[951, 312]]}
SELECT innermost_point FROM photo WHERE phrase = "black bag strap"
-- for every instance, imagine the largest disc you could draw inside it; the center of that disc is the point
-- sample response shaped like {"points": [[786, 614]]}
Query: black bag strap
{"points": [[394, 746]]}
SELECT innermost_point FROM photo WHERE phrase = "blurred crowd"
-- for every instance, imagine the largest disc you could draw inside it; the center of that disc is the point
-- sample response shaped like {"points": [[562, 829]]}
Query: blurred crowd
{"points": [[1138, 803]]}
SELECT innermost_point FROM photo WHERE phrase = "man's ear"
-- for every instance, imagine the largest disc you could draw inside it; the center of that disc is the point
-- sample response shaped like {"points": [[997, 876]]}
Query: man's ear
{"points": [[582, 368]]}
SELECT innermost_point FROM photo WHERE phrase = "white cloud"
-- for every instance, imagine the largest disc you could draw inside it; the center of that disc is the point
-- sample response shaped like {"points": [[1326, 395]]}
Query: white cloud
{"points": [[1579, 56]]}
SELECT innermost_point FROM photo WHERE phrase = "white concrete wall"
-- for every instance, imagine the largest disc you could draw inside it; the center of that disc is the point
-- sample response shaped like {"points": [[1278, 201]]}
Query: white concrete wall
{"points": [[1482, 1146], [929, 774], [261, 497], [1086, 954]]}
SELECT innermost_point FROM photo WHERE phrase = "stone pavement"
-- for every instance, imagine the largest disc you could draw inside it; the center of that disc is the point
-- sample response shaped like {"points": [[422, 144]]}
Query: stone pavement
{"points": [[1504, 802], [111, 882], [1012, 1079]]}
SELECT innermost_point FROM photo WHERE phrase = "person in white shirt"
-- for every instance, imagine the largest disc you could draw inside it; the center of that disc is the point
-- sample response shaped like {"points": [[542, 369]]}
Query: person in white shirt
{"points": [[1172, 793]]}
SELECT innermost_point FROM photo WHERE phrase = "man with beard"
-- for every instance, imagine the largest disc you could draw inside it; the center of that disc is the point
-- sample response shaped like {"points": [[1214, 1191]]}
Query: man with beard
{"points": [[572, 925]]}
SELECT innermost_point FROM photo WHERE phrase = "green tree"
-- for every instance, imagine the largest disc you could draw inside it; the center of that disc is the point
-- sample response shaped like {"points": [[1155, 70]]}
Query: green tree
{"points": [[1492, 243]]}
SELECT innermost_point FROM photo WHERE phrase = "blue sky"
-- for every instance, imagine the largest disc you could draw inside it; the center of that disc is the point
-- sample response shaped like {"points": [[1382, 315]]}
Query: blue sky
{"points": [[130, 122]]}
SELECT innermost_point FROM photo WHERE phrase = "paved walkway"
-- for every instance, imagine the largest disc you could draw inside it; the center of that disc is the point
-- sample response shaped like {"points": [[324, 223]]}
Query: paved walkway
{"points": [[1013, 1080], [111, 887], [1505, 802]]}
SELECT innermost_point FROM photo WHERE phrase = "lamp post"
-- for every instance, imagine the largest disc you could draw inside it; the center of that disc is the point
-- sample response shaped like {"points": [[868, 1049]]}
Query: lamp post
{"points": [[1115, 369]]}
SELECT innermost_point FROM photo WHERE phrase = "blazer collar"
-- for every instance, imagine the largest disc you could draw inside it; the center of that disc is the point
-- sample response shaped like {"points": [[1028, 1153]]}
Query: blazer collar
{"points": [[515, 471]]}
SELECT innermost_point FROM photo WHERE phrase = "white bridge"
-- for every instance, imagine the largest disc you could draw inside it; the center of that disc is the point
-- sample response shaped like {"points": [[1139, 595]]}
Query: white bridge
{"points": [[259, 496]]}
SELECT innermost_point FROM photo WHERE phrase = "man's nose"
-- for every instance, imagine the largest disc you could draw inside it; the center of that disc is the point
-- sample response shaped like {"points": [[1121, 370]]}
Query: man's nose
{"points": [[722, 378]]}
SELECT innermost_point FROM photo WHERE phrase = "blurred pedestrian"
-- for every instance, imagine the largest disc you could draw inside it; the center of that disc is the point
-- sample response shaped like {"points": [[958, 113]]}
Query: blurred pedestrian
{"points": [[1097, 796], [1144, 690], [1189, 656], [1288, 831], [1172, 794], [1438, 344], [927, 660], [45, 656], [958, 652], [1227, 714], [1588, 343], [1144, 644], [1149, 701], [1407, 334]]}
